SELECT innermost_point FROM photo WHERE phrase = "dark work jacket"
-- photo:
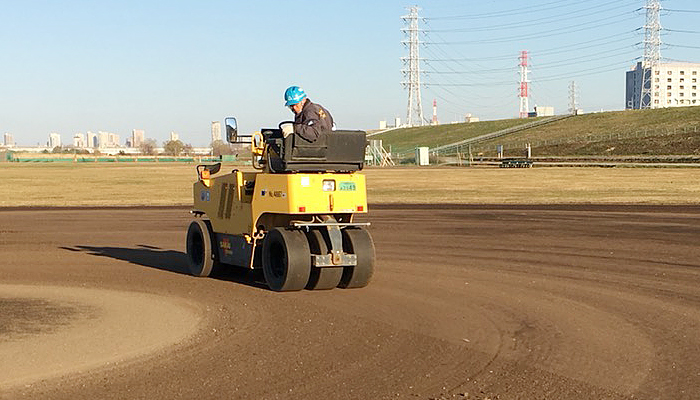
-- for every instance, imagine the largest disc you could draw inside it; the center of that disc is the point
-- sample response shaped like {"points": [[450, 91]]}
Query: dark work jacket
{"points": [[311, 121]]}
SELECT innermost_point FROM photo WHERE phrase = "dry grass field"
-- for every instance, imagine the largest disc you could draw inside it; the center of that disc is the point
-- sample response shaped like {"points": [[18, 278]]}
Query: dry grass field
{"points": [[170, 184]]}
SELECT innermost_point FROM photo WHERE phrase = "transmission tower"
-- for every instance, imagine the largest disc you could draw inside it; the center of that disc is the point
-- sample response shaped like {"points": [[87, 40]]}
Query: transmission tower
{"points": [[652, 50], [573, 97], [411, 72], [524, 81]]}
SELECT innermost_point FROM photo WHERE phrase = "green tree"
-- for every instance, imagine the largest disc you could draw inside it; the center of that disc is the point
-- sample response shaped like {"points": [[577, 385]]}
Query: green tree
{"points": [[173, 147]]}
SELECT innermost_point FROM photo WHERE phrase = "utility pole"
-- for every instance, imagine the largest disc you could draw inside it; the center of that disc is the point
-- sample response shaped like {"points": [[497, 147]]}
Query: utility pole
{"points": [[573, 104], [524, 81], [652, 50], [411, 72]]}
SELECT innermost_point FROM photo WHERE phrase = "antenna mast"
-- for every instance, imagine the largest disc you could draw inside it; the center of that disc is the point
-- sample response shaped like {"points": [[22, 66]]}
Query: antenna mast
{"points": [[524, 105]]}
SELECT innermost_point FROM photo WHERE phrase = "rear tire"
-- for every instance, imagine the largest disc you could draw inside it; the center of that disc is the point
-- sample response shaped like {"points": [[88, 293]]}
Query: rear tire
{"points": [[325, 277], [286, 260], [359, 242], [201, 257]]}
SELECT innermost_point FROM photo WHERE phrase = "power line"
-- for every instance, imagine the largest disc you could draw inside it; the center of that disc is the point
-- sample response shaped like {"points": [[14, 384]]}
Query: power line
{"points": [[554, 50], [574, 60], [563, 62], [682, 11], [545, 34], [584, 72], [590, 71], [679, 31], [682, 46], [551, 19], [514, 11]]}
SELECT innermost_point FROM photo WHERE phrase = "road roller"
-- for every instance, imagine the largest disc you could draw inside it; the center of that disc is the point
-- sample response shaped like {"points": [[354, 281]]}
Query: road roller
{"points": [[293, 215]]}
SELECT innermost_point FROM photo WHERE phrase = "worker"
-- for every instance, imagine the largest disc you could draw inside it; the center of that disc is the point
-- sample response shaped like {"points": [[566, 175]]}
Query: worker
{"points": [[310, 119]]}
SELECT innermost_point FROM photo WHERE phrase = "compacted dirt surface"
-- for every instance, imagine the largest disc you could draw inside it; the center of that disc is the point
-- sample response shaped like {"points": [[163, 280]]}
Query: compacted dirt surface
{"points": [[467, 302]]}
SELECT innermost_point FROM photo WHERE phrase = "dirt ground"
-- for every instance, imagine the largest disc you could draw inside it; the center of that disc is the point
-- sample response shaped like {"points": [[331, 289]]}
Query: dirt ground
{"points": [[475, 302]]}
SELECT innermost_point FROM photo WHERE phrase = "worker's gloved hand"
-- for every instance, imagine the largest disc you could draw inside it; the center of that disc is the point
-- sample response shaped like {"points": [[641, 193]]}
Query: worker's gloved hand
{"points": [[287, 129]]}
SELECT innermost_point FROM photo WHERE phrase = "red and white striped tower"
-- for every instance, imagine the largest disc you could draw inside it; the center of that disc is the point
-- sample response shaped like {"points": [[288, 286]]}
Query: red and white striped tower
{"points": [[524, 106], [435, 121]]}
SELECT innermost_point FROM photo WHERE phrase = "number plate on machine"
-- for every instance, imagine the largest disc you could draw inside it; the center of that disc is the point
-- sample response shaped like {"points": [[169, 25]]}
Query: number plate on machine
{"points": [[347, 186]]}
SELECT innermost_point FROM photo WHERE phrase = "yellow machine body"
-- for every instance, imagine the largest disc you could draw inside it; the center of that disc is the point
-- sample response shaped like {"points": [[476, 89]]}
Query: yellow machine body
{"points": [[242, 203]]}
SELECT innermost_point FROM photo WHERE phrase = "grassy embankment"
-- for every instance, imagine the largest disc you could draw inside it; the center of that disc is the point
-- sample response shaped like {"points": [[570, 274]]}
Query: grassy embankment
{"points": [[583, 131], [402, 140], [171, 184]]}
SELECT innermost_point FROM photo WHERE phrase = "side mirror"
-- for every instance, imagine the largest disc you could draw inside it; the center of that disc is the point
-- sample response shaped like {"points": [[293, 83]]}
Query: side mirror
{"points": [[231, 129], [232, 135]]}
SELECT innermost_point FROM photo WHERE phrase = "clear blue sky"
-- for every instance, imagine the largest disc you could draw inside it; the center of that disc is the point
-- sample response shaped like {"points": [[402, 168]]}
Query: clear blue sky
{"points": [[76, 65]]}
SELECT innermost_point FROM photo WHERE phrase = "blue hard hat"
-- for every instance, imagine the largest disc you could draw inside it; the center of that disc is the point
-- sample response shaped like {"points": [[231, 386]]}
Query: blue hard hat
{"points": [[293, 95]]}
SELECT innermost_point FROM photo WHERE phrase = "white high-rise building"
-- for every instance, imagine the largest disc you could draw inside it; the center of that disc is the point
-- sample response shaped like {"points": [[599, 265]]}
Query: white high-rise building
{"points": [[54, 140], [79, 140], [114, 140], [137, 137], [92, 139], [8, 140], [673, 85], [215, 131], [102, 139], [174, 136]]}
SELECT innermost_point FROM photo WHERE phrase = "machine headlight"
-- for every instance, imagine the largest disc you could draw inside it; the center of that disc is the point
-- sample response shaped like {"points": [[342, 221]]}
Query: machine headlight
{"points": [[329, 185]]}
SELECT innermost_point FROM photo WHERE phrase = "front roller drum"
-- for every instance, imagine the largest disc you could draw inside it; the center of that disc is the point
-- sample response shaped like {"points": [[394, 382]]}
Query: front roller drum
{"points": [[286, 259], [201, 254], [359, 242]]}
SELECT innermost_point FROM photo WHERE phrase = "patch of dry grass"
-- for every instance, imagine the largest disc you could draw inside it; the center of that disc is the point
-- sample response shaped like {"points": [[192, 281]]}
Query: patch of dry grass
{"points": [[171, 184], [534, 185], [88, 184]]}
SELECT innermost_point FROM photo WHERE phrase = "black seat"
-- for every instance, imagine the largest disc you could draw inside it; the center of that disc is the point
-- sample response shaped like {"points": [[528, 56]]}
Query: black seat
{"points": [[336, 151]]}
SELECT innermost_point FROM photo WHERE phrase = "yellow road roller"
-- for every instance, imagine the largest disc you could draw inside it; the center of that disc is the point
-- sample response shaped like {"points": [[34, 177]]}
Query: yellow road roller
{"points": [[293, 217]]}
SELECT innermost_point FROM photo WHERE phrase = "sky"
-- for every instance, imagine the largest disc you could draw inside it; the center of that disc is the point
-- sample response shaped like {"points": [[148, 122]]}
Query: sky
{"points": [[74, 66]]}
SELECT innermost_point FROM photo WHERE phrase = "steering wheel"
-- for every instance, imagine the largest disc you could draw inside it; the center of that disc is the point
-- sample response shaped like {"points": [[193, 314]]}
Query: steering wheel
{"points": [[279, 126]]}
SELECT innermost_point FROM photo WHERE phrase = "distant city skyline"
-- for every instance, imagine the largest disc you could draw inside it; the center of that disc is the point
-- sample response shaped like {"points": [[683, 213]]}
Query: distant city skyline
{"points": [[135, 139], [89, 140]]}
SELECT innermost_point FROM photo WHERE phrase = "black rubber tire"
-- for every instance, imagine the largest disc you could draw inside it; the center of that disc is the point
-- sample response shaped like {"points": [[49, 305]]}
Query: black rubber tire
{"points": [[286, 260], [326, 277], [359, 242], [201, 254]]}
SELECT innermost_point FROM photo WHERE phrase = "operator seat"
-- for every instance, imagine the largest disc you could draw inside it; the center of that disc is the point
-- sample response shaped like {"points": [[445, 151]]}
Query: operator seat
{"points": [[336, 151]]}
